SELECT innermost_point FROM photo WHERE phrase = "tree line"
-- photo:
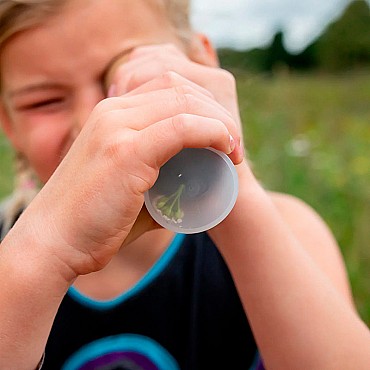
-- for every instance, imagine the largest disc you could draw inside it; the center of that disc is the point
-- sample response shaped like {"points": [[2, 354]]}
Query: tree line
{"points": [[345, 44]]}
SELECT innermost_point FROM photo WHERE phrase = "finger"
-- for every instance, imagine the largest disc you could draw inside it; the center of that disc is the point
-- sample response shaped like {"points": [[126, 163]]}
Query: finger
{"points": [[132, 74], [147, 63], [107, 106], [172, 102], [159, 49], [162, 140], [140, 70], [167, 80], [141, 75], [133, 56], [174, 93], [154, 90]]}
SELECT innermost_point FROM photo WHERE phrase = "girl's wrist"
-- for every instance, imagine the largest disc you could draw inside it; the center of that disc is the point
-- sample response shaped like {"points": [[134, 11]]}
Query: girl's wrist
{"points": [[35, 261], [253, 201]]}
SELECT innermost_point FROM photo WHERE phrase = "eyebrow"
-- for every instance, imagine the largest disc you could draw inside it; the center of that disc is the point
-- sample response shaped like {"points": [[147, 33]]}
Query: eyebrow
{"points": [[32, 88], [49, 86]]}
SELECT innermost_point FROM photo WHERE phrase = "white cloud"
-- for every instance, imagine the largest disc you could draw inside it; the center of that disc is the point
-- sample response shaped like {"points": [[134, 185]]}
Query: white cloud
{"points": [[245, 24]]}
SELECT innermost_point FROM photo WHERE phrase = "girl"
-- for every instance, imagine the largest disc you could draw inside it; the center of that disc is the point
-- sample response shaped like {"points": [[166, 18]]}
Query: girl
{"points": [[79, 279]]}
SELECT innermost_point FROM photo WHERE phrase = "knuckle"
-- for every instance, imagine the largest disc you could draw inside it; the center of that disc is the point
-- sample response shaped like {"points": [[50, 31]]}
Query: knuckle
{"points": [[165, 63], [98, 132], [104, 129], [112, 152], [185, 98], [188, 90], [116, 150], [101, 109], [220, 130], [170, 78], [178, 123], [105, 117], [181, 98], [228, 77], [102, 106], [182, 89]]}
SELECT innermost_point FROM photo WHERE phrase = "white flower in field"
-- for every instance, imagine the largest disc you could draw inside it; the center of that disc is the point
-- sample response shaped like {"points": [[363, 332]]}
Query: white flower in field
{"points": [[299, 146]]}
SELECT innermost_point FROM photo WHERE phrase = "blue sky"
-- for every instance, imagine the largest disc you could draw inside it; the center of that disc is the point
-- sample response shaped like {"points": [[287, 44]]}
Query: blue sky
{"points": [[244, 24]]}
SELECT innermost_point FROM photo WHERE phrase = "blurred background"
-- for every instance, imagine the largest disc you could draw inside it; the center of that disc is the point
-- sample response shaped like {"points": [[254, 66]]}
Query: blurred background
{"points": [[303, 77]]}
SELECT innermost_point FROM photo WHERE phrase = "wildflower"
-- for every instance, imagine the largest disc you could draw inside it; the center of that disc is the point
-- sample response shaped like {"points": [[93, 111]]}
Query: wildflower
{"points": [[169, 206]]}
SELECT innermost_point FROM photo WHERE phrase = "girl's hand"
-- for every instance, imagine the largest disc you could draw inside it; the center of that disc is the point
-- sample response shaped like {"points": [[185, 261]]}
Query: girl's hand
{"points": [[86, 210], [143, 68], [154, 67], [150, 68]]}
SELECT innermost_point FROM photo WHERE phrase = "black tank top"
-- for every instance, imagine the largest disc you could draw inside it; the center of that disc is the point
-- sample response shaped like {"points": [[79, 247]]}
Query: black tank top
{"points": [[184, 313]]}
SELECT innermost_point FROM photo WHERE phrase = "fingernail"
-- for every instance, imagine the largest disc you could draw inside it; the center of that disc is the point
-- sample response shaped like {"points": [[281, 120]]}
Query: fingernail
{"points": [[112, 90], [231, 144]]}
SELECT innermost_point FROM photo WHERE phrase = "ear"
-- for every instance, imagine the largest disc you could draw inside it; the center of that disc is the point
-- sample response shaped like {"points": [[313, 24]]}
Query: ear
{"points": [[202, 51], [7, 126]]}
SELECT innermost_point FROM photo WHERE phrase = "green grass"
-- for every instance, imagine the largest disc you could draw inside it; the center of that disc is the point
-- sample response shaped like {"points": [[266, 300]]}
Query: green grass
{"points": [[6, 167], [307, 135]]}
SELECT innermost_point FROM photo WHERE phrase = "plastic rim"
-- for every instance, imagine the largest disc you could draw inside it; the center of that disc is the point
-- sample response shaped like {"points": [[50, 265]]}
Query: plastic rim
{"points": [[217, 219]]}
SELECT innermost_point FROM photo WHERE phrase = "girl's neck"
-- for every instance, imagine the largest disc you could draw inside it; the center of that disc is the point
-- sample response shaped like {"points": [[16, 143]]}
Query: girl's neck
{"points": [[126, 268]]}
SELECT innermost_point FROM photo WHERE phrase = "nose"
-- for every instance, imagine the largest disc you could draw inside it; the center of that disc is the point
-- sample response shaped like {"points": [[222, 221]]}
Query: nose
{"points": [[84, 102]]}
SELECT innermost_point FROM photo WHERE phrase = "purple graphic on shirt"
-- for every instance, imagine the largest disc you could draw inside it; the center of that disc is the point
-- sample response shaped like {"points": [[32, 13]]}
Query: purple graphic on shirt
{"points": [[258, 364], [120, 361], [122, 352]]}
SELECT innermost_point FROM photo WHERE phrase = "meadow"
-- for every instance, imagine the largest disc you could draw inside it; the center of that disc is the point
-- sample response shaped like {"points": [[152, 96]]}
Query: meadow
{"points": [[306, 135], [309, 135]]}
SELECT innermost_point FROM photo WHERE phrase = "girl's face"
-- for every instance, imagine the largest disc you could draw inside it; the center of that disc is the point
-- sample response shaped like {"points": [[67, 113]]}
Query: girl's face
{"points": [[52, 75]]}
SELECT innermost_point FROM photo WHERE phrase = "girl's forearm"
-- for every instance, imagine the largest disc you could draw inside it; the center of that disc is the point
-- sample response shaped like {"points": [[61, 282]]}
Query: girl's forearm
{"points": [[298, 317], [31, 290]]}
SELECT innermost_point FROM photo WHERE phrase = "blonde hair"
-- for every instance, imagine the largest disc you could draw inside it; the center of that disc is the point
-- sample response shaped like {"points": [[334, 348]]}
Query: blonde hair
{"points": [[178, 13], [20, 15]]}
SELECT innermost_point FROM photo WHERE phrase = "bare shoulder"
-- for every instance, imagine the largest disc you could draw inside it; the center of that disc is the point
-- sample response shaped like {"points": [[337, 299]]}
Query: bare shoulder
{"points": [[302, 218], [315, 236]]}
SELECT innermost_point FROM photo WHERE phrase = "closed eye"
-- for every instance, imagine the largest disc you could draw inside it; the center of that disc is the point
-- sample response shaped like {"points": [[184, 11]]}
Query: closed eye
{"points": [[47, 104]]}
